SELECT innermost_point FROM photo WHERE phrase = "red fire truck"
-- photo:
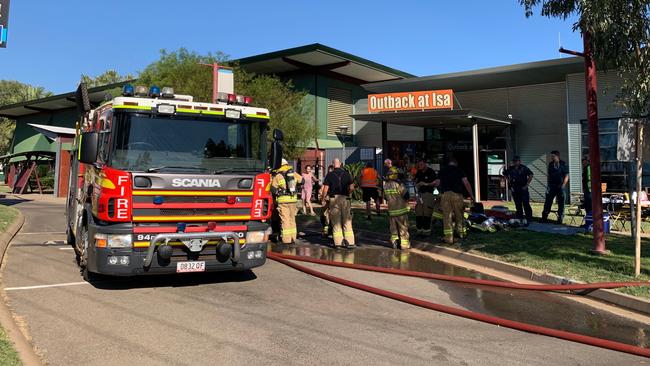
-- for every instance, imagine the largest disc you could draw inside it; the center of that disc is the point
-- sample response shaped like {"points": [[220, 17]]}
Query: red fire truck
{"points": [[163, 184]]}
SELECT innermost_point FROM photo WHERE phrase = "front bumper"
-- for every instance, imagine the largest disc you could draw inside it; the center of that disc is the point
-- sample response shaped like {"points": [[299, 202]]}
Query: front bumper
{"points": [[144, 261]]}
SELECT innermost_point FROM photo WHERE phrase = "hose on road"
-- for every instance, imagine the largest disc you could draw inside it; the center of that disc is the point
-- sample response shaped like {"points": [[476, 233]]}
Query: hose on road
{"points": [[574, 337], [467, 280]]}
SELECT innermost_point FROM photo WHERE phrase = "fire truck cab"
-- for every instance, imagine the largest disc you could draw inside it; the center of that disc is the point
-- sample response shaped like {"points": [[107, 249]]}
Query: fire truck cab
{"points": [[163, 184]]}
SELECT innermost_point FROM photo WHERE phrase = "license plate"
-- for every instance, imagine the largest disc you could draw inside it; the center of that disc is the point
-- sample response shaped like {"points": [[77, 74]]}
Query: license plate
{"points": [[198, 266]]}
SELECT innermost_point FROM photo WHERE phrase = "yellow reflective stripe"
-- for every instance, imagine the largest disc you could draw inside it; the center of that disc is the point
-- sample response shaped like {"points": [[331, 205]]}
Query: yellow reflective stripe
{"points": [[404, 241], [192, 193], [348, 232], [399, 212], [185, 110], [448, 231], [256, 116], [437, 215], [144, 107], [337, 233], [193, 218], [289, 231], [213, 112], [394, 237], [391, 191], [287, 199], [145, 244]]}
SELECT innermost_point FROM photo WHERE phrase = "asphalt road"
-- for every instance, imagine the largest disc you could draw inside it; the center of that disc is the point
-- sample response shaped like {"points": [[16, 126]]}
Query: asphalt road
{"points": [[272, 316]]}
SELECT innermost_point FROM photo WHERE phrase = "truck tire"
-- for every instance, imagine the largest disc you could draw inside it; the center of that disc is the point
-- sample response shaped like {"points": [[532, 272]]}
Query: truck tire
{"points": [[70, 239], [83, 256]]}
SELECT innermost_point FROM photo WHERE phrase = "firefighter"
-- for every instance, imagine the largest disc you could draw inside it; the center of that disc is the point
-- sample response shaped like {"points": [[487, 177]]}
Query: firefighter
{"points": [[396, 196], [283, 188], [325, 211], [453, 182], [424, 182], [368, 181], [337, 186]]}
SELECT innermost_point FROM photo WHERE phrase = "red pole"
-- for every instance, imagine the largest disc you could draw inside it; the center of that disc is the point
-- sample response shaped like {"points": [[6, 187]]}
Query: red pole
{"points": [[594, 146]]}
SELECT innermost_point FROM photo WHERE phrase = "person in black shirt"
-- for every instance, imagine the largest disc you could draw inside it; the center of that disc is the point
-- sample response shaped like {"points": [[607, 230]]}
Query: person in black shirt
{"points": [[558, 178], [337, 186], [519, 177], [424, 182], [453, 184]]}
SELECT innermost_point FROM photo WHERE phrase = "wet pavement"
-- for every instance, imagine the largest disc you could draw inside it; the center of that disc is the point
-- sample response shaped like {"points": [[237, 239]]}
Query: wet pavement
{"points": [[552, 310]]}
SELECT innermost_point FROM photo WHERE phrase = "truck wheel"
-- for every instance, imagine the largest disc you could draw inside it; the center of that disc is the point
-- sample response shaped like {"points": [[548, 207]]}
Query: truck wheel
{"points": [[83, 256], [70, 237]]}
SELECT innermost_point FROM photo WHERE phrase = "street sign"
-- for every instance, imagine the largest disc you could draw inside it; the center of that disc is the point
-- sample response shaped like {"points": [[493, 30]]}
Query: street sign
{"points": [[4, 22]]}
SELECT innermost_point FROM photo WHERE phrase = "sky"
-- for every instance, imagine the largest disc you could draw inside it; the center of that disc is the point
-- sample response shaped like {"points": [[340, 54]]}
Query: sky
{"points": [[51, 43]]}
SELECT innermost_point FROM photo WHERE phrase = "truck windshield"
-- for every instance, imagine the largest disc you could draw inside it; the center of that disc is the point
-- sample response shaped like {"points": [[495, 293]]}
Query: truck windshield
{"points": [[154, 142]]}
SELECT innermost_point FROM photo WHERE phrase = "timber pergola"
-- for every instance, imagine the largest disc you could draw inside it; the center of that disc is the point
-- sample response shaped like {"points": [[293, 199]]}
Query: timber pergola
{"points": [[440, 119]]}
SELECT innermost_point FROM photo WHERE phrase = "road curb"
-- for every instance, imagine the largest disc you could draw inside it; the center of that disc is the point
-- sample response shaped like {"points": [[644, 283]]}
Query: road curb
{"points": [[24, 348], [613, 297]]}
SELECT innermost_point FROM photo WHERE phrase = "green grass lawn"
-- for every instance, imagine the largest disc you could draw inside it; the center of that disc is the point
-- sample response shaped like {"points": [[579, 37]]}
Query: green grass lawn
{"points": [[566, 256], [8, 355]]}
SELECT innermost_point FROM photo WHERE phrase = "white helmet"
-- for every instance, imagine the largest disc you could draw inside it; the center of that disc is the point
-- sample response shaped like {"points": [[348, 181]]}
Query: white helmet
{"points": [[285, 162]]}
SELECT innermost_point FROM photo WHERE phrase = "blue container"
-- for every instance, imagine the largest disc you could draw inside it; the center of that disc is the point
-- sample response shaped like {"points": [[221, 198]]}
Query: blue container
{"points": [[589, 223]]}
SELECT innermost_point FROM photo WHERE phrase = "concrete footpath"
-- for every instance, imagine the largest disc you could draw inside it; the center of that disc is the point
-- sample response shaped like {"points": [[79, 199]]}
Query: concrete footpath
{"points": [[22, 345]]}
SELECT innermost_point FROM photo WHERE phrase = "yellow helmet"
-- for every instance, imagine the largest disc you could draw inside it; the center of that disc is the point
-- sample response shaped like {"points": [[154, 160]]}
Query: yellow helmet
{"points": [[393, 173]]}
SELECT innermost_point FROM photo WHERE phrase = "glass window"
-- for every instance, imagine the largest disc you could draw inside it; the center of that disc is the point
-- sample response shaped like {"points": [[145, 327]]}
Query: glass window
{"points": [[613, 172]]}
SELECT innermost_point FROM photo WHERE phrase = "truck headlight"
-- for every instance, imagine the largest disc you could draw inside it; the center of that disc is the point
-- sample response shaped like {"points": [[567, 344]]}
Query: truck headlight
{"points": [[259, 236], [119, 241]]}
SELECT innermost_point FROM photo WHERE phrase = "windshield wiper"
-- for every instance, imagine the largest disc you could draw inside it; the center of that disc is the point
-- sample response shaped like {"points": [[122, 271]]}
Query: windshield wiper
{"points": [[232, 170], [159, 168]]}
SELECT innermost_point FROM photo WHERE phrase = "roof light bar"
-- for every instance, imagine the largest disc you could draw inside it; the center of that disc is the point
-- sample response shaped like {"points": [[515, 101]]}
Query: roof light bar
{"points": [[141, 91], [154, 91], [128, 90], [167, 92]]}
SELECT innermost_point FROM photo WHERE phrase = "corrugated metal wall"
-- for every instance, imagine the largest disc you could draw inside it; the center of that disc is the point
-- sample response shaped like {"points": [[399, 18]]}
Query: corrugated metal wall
{"points": [[609, 84], [339, 109], [541, 109]]}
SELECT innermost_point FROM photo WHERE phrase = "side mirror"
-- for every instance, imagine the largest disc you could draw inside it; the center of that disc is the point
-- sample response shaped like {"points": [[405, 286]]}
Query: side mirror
{"points": [[88, 147], [276, 154], [81, 99], [278, 135]]}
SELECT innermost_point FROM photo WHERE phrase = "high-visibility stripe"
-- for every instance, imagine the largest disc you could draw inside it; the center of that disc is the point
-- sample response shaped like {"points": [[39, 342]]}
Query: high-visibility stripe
{"points": [[437, 215], [191, 205], [256, 116], [192, 193], [391, 191], [337, 234], [289, 231], [448, 231], [404, 242], [287, 199], [348, 233], [189, 229], [394, 237], [192, 218], [145, 244], [213, 112], [185, 110], [399, 212], [143, 107]]}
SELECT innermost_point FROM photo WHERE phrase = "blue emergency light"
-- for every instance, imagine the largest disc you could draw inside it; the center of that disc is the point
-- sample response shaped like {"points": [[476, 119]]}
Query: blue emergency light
{"points": [[154, 91], [127, 90], [181, 227]]}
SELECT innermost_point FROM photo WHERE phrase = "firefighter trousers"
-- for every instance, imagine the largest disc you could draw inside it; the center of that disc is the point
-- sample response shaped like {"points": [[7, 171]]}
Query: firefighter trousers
{"points": [[325, 219], [399, 230], [287, 212], [341, 220], [452, 206], [423, 213]]}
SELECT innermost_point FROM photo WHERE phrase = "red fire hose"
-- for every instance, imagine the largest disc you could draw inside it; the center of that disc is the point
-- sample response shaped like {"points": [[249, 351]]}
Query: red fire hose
{"points": [[473, 281], [592, 341]]}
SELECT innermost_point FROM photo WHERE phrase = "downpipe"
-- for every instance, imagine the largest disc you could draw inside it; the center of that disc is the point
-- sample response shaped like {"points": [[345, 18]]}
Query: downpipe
{"points": [[529, 328]]}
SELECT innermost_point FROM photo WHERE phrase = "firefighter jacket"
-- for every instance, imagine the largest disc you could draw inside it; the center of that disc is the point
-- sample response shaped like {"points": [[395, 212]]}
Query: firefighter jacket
{"points": [[283, 185], [368, 178], [395, 194]]}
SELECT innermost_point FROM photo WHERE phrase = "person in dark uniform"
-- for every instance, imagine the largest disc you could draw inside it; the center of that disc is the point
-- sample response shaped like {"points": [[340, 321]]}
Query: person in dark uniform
{"points": [[586, 184], [337, 187], [558, 178], [519, 177], [424, 182], [453, 183]]}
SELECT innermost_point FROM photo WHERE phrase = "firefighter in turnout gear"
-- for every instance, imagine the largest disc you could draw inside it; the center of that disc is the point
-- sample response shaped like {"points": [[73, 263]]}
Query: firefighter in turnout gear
{"points": [[337, 186], [283, 188], [396, 196], [425, 202], [453, 183]]}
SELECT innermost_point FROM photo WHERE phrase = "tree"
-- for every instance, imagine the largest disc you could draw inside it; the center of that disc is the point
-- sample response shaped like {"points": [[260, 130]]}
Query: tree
{"points": [[616, 34], [105, 78], [183, 71], [288, 108], [15, 92]]}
